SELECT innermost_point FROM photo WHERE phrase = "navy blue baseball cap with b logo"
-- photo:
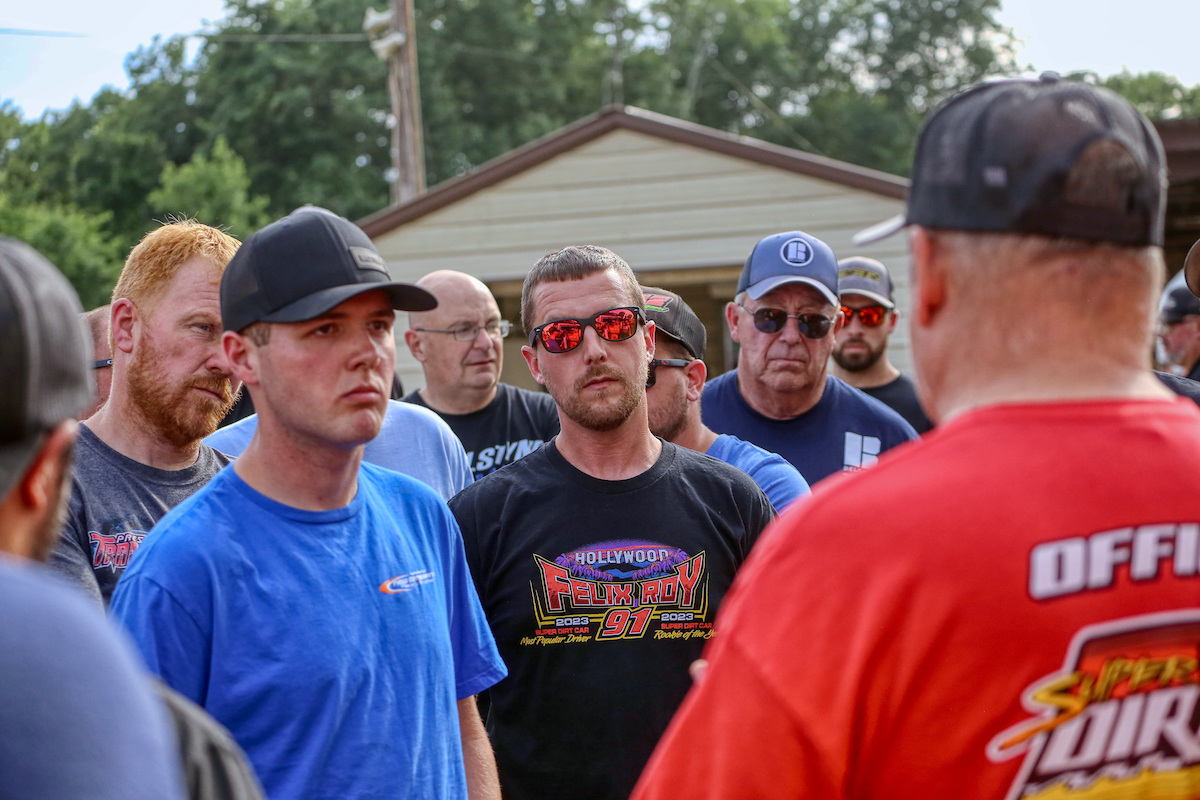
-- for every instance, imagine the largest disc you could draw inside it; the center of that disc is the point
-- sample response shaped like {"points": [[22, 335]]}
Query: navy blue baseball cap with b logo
{"points": [[792, 257], [299, 267]]}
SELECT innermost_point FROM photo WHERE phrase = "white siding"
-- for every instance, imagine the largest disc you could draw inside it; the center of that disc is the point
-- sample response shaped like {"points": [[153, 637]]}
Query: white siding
{"points": [[659, 204]]}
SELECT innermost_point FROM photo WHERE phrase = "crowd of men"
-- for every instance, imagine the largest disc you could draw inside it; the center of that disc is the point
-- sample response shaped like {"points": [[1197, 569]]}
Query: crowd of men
{"points": [[585, 592]]}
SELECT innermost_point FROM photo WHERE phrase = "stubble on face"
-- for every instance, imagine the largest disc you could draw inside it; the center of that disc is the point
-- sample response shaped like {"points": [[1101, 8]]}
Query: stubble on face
{"points": [[177, 413], [605, 413], [668, 409]]}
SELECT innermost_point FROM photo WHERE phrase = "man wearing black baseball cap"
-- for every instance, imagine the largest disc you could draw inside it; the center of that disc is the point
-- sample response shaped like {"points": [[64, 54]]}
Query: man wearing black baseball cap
{"points": [[1179, 330], [980, 615], [785, 317], [320, 607], [57, 654], [673, 389]]}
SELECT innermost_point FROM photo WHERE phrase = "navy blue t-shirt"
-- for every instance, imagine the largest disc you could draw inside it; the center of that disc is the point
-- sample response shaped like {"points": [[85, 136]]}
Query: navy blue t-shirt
{"points": [[845, 430]]}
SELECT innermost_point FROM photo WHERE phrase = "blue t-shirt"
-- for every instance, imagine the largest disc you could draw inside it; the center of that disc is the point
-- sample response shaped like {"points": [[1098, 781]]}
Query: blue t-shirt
{"points": [[413, 441], [78, 717], [334, 645], [846, 430], [780, 481]]}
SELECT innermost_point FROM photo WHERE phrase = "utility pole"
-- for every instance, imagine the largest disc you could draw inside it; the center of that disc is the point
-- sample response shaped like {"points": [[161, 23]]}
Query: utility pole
{"points": [[398, 47]]}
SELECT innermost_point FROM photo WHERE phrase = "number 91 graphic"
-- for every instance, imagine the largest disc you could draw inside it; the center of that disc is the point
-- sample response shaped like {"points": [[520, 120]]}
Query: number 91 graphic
{"points": [[622, 623]]}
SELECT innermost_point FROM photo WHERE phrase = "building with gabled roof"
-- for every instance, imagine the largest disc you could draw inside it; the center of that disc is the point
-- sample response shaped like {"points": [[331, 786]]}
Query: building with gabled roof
{"points": [[682, 203]]}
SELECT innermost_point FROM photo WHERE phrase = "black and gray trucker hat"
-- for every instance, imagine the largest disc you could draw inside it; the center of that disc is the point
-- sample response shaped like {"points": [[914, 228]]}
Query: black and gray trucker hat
{"points": [[44, 352], [996, 158], [301, 266]]}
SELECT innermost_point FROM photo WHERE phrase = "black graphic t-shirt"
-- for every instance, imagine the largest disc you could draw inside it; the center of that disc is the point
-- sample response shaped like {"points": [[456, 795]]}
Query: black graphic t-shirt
{"points": [[512, 426], [901, 396], [600, 594], [114, 502]]}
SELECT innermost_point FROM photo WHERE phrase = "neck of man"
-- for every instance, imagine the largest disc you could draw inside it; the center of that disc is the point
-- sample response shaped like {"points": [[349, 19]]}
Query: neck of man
{"points": [[1053, 380], [621, 453], [457, 400], [121, 426], [695, 434], [308, 475], [780, 405], [878, 374]]}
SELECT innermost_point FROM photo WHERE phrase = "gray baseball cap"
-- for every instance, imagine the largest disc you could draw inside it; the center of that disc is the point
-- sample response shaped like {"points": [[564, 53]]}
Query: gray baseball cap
{"points": [[868, 277], [44, 352]]}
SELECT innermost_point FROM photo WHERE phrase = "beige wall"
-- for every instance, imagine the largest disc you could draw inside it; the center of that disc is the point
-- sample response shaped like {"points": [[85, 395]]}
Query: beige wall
{"points": [[684, 217]]}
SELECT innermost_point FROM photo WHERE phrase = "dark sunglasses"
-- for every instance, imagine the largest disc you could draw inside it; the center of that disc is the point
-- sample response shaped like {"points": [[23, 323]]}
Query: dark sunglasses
{"points": [[655, 363], [772, 320], [871, 316], [562, 335]]}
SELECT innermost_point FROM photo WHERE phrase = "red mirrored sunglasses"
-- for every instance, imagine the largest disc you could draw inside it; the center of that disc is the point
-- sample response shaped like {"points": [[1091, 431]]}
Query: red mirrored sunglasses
{"points": [[871, 316], [562, 335]]}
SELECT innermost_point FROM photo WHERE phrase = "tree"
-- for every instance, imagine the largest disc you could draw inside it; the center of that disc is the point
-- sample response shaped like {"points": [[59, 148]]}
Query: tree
{"points": [[1156, 95], [213, 189]]}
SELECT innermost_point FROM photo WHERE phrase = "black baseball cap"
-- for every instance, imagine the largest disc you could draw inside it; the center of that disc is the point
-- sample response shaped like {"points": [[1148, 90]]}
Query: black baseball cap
{"points": [[1178, 303], [675, 319], [301, 266], [996, 158], [45, 355], [1191, 268]]}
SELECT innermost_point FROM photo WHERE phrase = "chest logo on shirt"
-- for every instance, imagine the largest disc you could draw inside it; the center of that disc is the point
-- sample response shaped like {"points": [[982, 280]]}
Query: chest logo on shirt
{"points": [[618, 590], [1119, 720], [407, 582], [113, 550]]}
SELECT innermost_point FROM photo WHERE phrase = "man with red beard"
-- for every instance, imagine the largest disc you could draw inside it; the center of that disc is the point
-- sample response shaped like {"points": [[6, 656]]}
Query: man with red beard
{"points": [[140, 454], [600, 558]]}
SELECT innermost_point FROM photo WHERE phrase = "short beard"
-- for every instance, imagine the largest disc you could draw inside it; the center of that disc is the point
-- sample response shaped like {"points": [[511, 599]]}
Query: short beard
{"points": [[671, 417], [175, 413], [613, 412], [858, 361]]}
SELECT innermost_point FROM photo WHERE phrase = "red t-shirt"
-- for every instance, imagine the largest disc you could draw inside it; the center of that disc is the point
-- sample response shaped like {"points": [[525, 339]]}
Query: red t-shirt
{"points": [[1008, 608]]}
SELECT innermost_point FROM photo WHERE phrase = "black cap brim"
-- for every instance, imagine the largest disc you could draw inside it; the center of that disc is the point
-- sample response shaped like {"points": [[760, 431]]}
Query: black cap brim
{"points": [[403, 297]]}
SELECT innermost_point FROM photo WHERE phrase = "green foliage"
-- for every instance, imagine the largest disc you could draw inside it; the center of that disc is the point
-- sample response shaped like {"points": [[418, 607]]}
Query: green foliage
{"points": [[215, 189], [285, 102], [74, 241], [1156, 95]]}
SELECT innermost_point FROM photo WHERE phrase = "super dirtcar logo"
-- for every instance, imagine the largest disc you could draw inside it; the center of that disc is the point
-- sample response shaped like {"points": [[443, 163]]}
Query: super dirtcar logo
{"points": [[620, 590], [1120, 719]]}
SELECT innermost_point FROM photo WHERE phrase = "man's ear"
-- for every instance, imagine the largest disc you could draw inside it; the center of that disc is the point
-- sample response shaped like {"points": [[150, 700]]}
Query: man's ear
{"points": [[531, 358], [240, 356], [415, 345], [648, 334], [696, 373], [42, 481], [929, 278], [125, 319], [731, 312], [893, 318]]}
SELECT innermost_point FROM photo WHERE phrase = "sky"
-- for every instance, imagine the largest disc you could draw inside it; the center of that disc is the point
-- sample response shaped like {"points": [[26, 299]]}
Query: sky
{"points": [[38, 73]]}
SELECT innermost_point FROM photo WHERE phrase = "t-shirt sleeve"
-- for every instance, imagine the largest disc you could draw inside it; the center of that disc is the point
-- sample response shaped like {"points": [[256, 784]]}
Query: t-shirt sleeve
{"points": [[782, 483], [477, 662], [72, 556], [458, 467], [171, 642]]}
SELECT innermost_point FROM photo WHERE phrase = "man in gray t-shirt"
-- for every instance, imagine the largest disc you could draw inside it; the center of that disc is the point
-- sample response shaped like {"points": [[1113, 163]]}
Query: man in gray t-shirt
{"points": [[141, 454]]}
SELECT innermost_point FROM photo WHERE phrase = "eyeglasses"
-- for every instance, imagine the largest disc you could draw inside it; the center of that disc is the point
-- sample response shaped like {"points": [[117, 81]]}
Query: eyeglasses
{"points": [[871, 316], [772, 320], [467, 333], [102, 363], [561, 335], [655, 363]]}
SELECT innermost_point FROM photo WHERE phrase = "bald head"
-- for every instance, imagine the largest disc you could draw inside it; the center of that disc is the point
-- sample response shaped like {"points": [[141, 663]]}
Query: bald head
{"points": [[454, 291], [460, 358]]}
